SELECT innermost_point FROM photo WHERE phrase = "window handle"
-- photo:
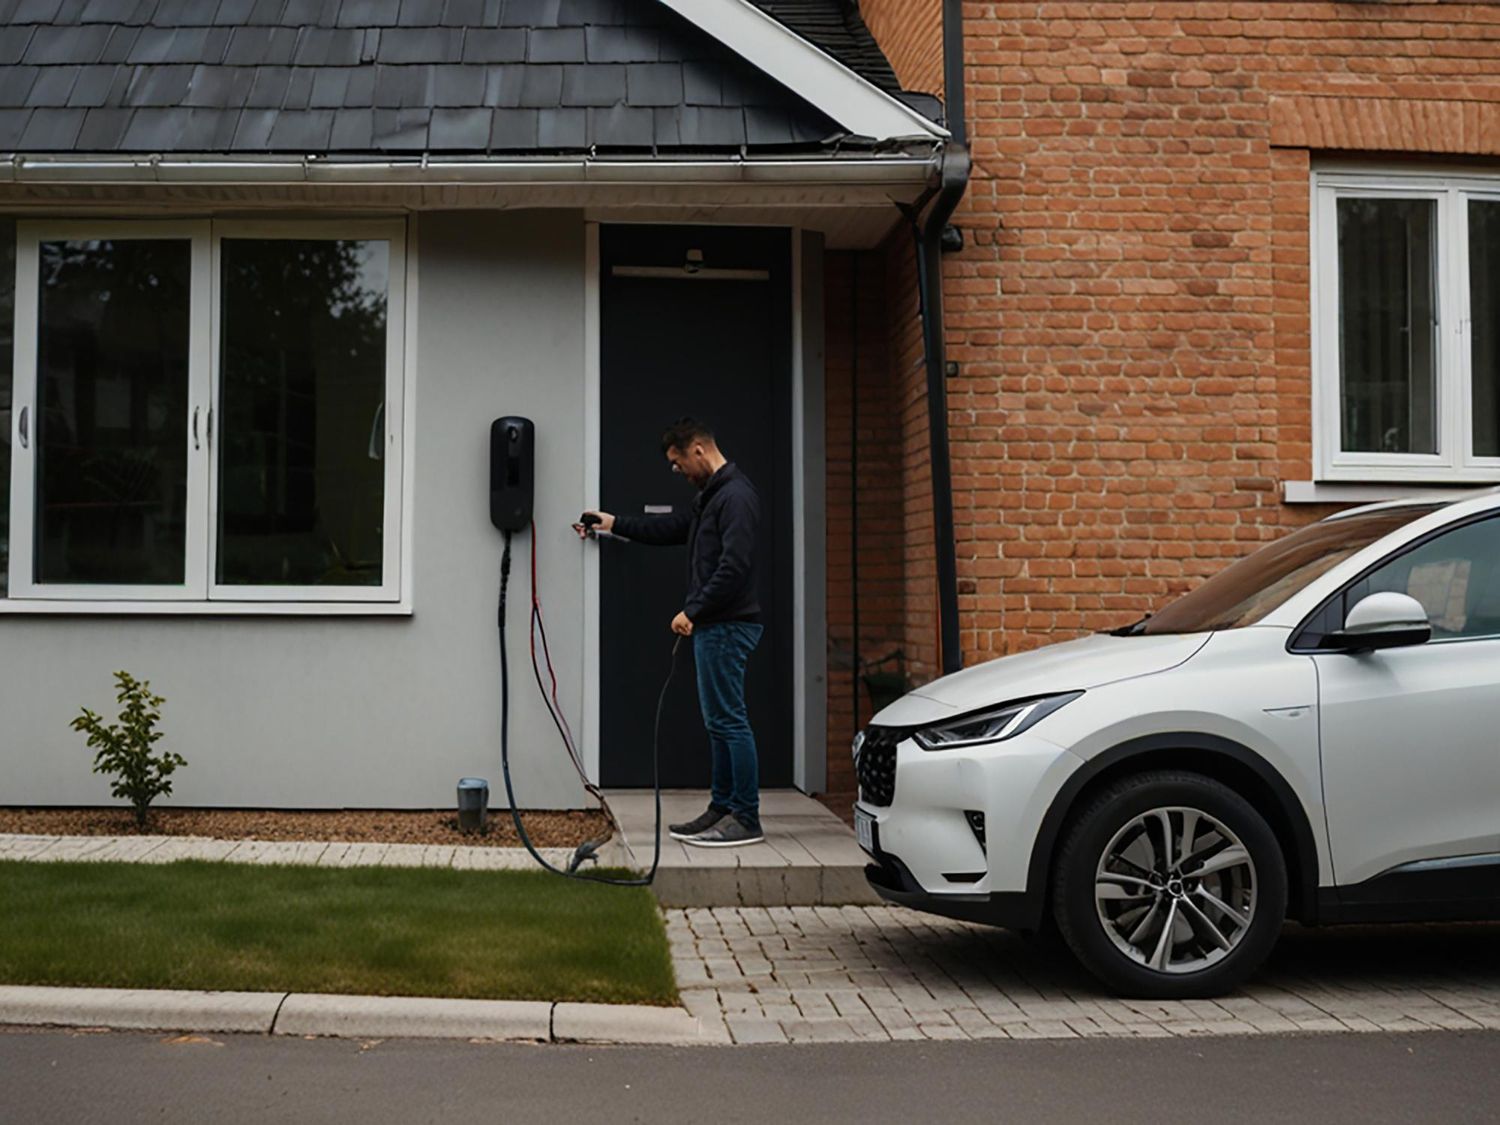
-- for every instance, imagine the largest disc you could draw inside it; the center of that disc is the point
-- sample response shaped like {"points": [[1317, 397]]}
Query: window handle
{"points": [[376, 451], [195, 428], [25, 433], [208, 427]]}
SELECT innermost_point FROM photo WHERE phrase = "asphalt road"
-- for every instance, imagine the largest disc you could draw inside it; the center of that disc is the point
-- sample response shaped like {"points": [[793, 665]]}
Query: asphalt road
{"points": [[81, 1077]]}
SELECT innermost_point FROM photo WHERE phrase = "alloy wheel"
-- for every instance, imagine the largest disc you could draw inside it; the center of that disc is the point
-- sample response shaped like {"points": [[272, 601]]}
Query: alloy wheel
{"points": [[1175, 890]]}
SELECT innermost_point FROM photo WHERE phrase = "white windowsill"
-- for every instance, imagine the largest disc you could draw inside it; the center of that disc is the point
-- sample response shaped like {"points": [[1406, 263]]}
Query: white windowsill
{"points": [[83, 606], [1365, 492]]}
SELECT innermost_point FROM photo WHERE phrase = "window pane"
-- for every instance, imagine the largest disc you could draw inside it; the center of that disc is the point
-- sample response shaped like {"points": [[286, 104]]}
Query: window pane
{"points": [[112, 370], [1484, 322], [1387, 329], [7, 325], [302, 393], [1456, 577]]}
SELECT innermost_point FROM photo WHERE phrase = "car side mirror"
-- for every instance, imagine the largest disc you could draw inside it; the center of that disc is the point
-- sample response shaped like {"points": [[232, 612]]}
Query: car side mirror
{"points": [[1385, 620]]}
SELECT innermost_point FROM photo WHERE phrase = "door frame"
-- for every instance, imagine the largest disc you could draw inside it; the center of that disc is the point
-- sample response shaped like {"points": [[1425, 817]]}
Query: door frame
{"points": [[809, 515]]}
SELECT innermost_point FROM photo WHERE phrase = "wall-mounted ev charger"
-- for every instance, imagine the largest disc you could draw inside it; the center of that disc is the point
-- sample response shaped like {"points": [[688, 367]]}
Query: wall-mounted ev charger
{"points": [[512, 497], [512, 472]]}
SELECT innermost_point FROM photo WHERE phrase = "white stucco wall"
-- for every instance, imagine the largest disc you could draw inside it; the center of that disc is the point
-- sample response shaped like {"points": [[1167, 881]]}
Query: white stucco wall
{"points": [[373, 712]]}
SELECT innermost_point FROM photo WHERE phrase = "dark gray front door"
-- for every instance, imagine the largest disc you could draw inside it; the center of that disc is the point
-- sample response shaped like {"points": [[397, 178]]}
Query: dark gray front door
{"points": [[718, 347]]}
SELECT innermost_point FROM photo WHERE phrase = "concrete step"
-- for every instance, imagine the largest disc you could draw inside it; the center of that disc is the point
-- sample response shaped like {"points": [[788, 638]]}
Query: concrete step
{"points": [[809, 857]]}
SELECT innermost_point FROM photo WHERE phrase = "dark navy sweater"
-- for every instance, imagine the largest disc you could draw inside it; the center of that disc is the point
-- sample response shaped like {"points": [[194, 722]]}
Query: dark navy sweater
{"points": [[720, 533]]}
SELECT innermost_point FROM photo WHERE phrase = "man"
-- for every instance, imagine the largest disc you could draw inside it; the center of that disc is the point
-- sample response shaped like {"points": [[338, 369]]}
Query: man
{"points": [[722, 616]]}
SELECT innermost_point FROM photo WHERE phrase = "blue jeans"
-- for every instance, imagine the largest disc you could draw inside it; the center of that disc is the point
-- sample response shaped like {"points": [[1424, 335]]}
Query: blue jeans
{"points": [[721, 650]]}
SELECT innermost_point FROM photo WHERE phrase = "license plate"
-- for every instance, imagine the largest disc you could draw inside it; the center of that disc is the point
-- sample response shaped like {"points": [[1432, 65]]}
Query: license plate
{"points": [[864, 830]]}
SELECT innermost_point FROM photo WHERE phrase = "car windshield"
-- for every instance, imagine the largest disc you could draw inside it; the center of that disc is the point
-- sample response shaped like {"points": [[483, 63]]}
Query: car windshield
{"points": [[1248, 590]]}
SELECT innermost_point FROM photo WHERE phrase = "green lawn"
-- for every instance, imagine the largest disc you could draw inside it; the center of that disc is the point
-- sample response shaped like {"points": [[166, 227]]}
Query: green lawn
{"points": [[386, 931]]}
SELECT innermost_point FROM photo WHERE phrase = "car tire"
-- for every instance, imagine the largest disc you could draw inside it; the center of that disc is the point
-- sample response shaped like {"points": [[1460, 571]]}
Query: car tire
{"points": [[1119, 883]]}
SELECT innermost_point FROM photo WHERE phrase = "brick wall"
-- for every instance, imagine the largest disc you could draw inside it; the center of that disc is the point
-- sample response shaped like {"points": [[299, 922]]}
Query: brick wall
{"points": [[1131, 309]]}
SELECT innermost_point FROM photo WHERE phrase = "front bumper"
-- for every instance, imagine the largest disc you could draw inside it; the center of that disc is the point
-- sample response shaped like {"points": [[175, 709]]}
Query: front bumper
{"points": [[926, 853]]}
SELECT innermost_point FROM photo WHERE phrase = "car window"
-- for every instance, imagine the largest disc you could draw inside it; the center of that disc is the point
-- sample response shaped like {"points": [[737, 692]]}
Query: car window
{"points": [[1245, 592], [1456, 577]]}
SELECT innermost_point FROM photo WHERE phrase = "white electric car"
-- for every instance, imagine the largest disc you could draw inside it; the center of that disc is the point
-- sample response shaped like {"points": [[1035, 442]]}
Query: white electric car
{"points": [[1313, 733]]}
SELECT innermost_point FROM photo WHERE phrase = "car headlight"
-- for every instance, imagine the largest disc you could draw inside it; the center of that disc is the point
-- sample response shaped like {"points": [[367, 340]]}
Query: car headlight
{"points": [[995, 724]]}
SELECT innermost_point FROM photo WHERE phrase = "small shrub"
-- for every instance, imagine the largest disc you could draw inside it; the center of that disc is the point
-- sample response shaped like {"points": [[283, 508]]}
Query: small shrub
{"points": [[124, 749]]}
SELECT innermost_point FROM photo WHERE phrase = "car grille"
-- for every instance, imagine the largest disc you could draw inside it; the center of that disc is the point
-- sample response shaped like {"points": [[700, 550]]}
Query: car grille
{"points": [[876, 768]]}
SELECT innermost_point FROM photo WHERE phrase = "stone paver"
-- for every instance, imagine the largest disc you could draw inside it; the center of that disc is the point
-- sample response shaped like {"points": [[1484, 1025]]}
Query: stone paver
{"points": [[309, 853], [821, 974]]}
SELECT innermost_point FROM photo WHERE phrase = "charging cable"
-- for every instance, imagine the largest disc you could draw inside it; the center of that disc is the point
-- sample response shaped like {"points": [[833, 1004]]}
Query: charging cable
{"points": [[589, 849]]}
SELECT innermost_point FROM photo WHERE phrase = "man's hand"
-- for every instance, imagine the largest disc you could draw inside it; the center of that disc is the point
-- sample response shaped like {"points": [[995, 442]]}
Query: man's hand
{"points": [[606, 523], [682, 626]]}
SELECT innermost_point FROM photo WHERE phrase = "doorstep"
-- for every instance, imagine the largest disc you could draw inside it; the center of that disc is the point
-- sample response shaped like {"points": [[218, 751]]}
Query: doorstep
{"points": [[809, 857], [358, 1017]]}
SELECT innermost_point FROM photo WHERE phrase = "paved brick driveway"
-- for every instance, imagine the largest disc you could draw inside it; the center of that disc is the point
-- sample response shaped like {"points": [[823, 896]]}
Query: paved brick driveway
{"points": [[775, 974]]}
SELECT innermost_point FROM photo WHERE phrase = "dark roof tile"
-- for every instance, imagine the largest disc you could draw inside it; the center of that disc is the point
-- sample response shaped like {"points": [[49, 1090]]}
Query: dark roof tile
{"points": [[330, 87], [622, 44], [494, 45], [103, 129], [159, 85], [503, 85], [327, 46], [458, 86], [208, 130], [591, 85], [52, 130], [254, 46], [361, 90], [234, 13], [514, 130], [665, 125], [702, 84], [398, 87], [353, 130], [13, 41], [421, 45], [253, 131], [154, 130], [302, 132], [401, 130], [654, 84], [16, 83], [299, 89], [465, 130], [12, 126], [562, 129], [621, 126], [93, 86], [53, 46], [541, 86], [368, 13], [54, 85], [530, 13], [121, 39], [223, 86], [766, 125], [36, 11], [268, 90], [555, 45], [463, 13], [271, 12], [712, 126]]}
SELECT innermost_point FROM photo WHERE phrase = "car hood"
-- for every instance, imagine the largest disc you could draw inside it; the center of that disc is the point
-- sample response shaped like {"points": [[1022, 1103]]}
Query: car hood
{"points": [[1088, 662]]}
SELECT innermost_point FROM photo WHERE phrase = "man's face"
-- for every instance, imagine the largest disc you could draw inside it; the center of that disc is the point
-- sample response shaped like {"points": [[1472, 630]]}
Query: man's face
{"points": [[692, 463]]}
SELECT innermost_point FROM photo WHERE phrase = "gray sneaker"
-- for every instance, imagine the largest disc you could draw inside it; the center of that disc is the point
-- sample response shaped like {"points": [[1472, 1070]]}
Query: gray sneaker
{"points": [[728, 833], [702, 823]]}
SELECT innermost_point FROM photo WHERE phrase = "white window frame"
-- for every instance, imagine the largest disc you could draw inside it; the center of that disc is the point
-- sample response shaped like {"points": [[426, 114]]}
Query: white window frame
{"points": [[200, 593], [1455, 461]]}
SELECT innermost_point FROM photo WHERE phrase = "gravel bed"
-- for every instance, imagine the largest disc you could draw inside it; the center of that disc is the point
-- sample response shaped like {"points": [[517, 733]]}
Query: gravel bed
{"points": [[547, 828]]}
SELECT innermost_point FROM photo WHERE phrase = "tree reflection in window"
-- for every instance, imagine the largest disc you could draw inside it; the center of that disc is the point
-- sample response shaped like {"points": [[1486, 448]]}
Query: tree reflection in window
{"points": [[302, 395]]}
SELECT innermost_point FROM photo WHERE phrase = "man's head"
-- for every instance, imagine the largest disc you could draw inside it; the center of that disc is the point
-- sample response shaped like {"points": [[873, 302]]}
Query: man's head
{"points": [[690, 448]]}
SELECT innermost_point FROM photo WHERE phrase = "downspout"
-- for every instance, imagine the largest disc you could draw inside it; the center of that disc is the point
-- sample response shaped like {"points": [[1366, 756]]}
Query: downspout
{"points": [[954, 179]]}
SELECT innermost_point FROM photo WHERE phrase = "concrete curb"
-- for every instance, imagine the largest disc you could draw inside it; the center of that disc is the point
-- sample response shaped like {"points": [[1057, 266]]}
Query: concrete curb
{"points": [[155, 1009], [361, 1017]]}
